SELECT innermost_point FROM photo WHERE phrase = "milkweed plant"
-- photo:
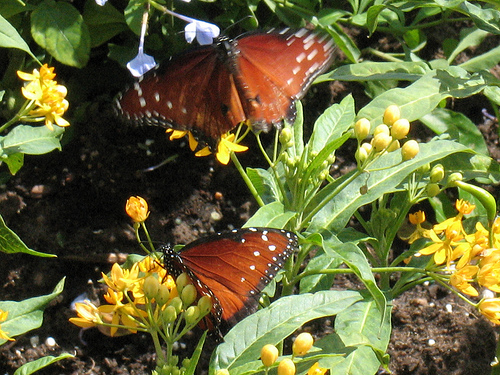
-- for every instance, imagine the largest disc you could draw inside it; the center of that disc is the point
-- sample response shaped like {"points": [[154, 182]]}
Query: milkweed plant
{"points": [[396, 174]]}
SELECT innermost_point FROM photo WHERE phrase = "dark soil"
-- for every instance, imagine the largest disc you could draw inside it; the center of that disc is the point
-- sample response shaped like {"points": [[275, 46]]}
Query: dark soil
{"points": [[71, 203]]}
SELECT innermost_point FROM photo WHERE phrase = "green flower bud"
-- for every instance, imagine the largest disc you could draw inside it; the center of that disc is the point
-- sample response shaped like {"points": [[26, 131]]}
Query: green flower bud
{"points": [[285, 136], [391, 114], [151, 287], [483, 196], [400, 128], [432, 190], [437, 173], [361, 155], [192, 315], [163, 295], [169, 314], [424, 168], [362, 128], [205, 304], [268, 355], [452, 178], [368, 147], [177, 304], [410, 149], [186, 362], [182, 280], [189, 294]]}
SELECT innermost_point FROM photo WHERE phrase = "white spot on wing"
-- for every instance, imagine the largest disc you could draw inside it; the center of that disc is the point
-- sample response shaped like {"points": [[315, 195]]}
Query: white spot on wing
{"points": [[256, 253]]}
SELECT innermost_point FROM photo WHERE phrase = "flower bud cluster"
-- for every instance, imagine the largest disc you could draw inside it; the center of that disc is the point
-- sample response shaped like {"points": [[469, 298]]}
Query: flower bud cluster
{"points": [[386, 137]]}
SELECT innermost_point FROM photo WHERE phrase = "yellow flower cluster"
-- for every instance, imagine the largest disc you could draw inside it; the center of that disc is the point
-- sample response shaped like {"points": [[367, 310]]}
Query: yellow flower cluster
{"points": [[48, 98], [125, 312], [225, 146], [472, 259]]}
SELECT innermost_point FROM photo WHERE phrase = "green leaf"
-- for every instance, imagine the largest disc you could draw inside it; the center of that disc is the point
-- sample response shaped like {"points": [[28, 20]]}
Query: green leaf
{"points": [[485, 61], [28, 314], [486, 19], [372, 16], [378, 71], [422, 96], [272, 324], [10, 38], [272, 215], [332, 124], [13, 161], [195, 358], [9, 8], [33, 140], [265, 184], [468, 38], [10, 243], [385, 176], [59, 28], [133, 15], [104, 22], [458, 126], [359, 326], [34, 366]]}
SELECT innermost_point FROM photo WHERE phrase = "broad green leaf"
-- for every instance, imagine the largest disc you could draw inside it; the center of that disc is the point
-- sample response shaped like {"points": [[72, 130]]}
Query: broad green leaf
{"points": [[272, 215], [483, 62], [59, 28], [32, 140], [13, 161], [9, 8], [458, 126], [384, 177], [487, 19], [265, 184], [34, 366], [360, 325], [28, 314], [423, 95], [10, 38], [332, 124], [377, 71], [133, 15], [313, 283], [493, 93], [10, 242], [104, 22], [272, 324], [344, 42], [372, 16], [468, 38]]}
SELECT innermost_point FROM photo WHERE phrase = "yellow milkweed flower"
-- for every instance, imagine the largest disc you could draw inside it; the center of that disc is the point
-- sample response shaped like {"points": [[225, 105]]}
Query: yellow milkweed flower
{"points": [[490, 308], [443, 248], [47, 95], [316, 370], [137, 209], [225, 146], [3, 318], [462, 278]]}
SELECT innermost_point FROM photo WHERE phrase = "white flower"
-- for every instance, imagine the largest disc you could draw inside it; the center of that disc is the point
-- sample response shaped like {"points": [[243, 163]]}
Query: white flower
{"points": [[141, 64], [203, 31]]}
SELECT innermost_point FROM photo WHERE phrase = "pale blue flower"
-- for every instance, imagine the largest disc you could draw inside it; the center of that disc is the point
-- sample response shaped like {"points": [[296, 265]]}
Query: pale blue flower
{"points": [[101, 2], [141, 64], [203, 31]]}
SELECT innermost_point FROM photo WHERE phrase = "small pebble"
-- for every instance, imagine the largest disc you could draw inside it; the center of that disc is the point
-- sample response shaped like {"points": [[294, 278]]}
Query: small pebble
{"points": [[50, 342], [449, 308], [34, 341], [432, 342]]}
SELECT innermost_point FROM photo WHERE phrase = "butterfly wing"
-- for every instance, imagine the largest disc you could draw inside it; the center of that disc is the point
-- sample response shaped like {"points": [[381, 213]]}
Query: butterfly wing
{"points": [[193, 91], [235, 266], [276, 68]]}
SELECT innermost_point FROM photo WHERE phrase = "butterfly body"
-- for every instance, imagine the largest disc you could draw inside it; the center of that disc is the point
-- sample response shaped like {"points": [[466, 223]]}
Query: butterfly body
{"points": [[233, 268], [209, 90]]}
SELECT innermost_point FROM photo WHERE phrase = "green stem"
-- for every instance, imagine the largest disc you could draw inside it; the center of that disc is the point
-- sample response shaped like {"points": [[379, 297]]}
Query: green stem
{"points": [[245, 177]]}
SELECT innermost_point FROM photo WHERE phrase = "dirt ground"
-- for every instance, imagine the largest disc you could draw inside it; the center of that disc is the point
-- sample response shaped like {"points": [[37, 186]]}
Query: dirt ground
{"points": [[71, 203]]}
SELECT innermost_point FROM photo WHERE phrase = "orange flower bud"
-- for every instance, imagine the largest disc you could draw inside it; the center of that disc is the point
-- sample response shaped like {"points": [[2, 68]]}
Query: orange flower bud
{"points": [[391, 114], [137, 209], [400, 128], [410, 149], [362, 128]]}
